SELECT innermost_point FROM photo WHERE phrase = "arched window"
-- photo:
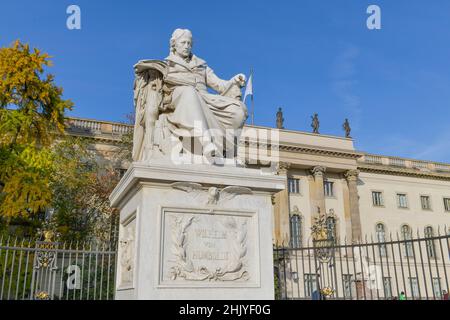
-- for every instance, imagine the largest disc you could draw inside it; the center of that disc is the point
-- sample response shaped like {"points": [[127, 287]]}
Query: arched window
{"points": [[407, 238], [295, 223], [331, 228], [381, 238], [429, 233]]}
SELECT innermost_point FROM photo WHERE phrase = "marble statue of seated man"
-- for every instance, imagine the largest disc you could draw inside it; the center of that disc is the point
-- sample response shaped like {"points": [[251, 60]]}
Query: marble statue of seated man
{"points": [[190, 111]]}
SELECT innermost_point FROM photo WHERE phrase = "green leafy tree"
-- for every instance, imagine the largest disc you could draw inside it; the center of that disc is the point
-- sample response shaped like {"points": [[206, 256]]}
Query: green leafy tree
{"points": [[31, 112], [81, 187]]}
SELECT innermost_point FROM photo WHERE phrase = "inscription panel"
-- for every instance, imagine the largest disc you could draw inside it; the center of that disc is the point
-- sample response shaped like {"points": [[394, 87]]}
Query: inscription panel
{"points": [[209, 249]]}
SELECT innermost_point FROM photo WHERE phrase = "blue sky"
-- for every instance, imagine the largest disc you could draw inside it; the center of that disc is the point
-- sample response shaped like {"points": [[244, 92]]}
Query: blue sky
{"points": [[309, 56]]}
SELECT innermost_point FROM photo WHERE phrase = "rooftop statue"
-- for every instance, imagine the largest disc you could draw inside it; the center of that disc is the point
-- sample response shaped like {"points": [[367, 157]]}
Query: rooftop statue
{"points": [[173, 107], [347, 128], [315, 123], [280, 119]]}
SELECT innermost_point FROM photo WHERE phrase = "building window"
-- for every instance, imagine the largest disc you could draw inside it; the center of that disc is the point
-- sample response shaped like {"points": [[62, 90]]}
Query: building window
{"points": [[402, 200], [447, 204], [437, 288], [407, 238], [429, 233], [296, 228], [328, 188], [425, 202], [414, 287], [381, 238], [387, 286], [310, 284], [377, 198], [294, 185], [331, 228], [347, 285]]}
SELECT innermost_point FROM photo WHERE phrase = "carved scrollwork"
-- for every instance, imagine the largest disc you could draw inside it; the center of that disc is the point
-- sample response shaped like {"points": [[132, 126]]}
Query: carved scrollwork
{"points": [[46, 255], [318, 170], [185, 267], [283, 167], [352, 175]]}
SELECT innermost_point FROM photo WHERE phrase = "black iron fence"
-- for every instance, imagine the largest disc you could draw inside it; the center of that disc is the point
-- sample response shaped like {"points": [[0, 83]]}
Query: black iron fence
{"points": [[60, 271], [404, 268], [412, 268]]}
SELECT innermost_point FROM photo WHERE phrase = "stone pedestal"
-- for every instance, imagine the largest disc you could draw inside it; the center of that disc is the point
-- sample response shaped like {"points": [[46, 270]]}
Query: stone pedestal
{"points": [[195, 232]]}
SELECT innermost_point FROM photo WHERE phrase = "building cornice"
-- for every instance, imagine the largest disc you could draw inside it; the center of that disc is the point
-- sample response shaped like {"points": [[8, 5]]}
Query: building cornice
{"points": [[339, 153], [308, 149], [405, 172], [110, 132]]}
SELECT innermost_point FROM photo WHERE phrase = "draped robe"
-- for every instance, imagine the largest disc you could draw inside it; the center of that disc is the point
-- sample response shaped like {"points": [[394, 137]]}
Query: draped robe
{"points": [[215, 117]]}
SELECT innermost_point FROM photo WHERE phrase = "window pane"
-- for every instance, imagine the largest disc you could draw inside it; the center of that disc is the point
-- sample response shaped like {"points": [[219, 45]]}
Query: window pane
{"points": [[414, 287], [310, 284], [430, 243], [294, 185], [407, 237], [381, 237], [331, 228], [425, 201], [447, 204], [328, 188], [377, 198], [347, 284], [437, 287], [295, 224], [387, 287], [401, 200]]}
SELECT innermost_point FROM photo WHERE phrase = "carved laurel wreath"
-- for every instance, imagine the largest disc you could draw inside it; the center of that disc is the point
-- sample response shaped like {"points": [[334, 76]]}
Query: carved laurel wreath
{"points": [[185, 267]]}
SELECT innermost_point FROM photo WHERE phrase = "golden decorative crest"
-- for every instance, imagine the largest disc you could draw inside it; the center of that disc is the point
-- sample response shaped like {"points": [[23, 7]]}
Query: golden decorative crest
{"points": [[319, 228]]}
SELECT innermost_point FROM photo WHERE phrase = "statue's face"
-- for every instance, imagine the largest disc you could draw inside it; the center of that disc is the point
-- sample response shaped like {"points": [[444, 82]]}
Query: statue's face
{"points": [[183, 46]]}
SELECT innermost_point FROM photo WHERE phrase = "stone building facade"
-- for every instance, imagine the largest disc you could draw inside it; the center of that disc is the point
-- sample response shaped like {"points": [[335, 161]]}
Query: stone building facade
{"points": [[363, 194]]}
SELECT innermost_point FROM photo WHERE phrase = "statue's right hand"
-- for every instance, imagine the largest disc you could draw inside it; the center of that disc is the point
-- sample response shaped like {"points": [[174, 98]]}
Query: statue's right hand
{"points": [[239, 79]]}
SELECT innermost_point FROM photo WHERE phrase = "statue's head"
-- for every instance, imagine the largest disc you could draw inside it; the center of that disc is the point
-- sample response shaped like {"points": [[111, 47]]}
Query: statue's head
{"points": [[181, 43]]}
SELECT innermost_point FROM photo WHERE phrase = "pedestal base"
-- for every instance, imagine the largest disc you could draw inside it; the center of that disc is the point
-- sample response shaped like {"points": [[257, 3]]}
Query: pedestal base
{"points": [[195, 232]]}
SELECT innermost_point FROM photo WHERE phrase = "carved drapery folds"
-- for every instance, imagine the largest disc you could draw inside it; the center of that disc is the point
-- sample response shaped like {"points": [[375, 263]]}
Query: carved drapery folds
{"points": [[148, 103], [174, 108]]}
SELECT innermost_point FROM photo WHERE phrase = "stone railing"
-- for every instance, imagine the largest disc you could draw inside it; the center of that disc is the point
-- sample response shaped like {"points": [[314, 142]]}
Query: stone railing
{"points": [[442, 167], [94, 127], [83, 124], [424, 166], [397, 162], [373, 159], [121, 128]]}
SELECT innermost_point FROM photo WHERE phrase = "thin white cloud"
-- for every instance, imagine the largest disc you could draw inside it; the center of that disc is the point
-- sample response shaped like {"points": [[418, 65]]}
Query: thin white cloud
{"points": [[406, 146], [437, 150], [344, 81]]}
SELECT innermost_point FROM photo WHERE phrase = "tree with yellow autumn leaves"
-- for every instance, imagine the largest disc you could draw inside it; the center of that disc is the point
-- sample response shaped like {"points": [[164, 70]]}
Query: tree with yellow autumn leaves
{"points": [[31, 111], [41, 168]]}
